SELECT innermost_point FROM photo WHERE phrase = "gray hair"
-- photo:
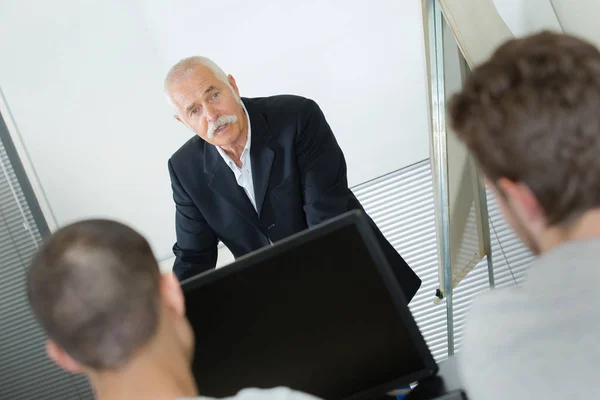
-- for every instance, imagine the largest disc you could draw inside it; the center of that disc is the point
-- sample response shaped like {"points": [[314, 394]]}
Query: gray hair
{"points": [[182, 69]]}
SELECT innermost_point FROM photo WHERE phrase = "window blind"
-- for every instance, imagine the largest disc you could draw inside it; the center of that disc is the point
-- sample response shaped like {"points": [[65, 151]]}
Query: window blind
{"points": [[402, 205], [25, 371]]}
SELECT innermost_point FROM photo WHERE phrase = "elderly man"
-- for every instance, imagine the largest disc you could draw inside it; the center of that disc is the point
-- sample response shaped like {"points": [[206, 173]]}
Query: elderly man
{"points": [[259, 170], [96, 289], [531, 117]]}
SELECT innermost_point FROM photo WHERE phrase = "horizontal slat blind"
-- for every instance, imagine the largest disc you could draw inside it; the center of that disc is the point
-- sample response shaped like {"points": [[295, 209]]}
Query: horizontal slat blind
{"points": [[401, 203], [25, 371]]}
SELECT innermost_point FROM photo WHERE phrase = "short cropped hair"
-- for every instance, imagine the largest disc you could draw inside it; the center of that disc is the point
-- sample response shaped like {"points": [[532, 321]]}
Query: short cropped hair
{"points": [[184, 67], [531, 114], [94, 288]]}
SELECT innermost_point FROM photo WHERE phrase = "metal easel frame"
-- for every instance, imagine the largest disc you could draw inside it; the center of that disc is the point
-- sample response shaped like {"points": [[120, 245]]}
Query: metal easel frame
{"points": [[440, 165]]}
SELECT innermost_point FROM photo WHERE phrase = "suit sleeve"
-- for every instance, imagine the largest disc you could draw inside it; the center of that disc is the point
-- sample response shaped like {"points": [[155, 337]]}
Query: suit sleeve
{"points": [[321, 165], [196, 246]]}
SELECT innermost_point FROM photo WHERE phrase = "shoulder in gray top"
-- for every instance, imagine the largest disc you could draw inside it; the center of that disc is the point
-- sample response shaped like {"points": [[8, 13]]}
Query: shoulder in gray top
{"points": [[539, 340]]}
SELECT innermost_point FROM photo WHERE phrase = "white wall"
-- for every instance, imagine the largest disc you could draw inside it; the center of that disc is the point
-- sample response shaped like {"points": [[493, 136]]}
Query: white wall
{"points": [[578, 17], [524, 17], [83, 82]]}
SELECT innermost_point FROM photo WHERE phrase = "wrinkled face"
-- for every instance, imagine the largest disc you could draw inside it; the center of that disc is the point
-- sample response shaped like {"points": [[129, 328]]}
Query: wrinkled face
{"points": [[209, 106]]}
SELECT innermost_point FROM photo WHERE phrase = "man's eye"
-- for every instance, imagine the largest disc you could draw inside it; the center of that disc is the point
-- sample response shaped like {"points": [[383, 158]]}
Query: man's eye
{"points": [[215, 95], [194, 111]]}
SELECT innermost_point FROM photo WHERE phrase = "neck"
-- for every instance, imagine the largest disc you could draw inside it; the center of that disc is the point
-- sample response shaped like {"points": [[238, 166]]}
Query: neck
{"points": [[235, 150], [148, 376], [587, 226]]}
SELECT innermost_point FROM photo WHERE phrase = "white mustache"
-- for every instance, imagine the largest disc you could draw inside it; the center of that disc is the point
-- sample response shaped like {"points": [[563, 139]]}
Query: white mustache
{"points": [[224, 120]]}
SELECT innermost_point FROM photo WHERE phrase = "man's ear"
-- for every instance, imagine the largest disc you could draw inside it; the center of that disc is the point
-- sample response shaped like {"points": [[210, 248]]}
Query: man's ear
{"points": [[520, 196], [171, 293], [233, 84], [62, 359]]}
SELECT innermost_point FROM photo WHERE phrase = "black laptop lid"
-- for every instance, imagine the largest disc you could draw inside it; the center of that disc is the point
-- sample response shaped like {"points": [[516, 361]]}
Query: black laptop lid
{"points": [[320, 312]]}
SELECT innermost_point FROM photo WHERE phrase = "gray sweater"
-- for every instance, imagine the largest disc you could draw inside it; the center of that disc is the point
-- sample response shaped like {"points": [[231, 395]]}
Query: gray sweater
{"points": [[540, 340]]}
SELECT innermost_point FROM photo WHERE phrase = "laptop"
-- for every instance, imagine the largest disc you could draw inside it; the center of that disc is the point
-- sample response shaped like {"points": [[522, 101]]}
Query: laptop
{"points": [[319, 312]]}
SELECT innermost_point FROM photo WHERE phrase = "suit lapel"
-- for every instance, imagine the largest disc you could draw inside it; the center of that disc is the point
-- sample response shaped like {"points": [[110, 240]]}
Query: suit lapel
{"points": [[223, 182], [261, 154]]}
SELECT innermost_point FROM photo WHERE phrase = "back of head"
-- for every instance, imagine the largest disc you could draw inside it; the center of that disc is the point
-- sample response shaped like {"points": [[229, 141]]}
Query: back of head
{"points": [[94, 287], [531, 114]]}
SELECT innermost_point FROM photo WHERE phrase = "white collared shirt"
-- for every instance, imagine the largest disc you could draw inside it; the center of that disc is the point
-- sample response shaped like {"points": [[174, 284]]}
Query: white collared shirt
{"points": [[243, 175]]}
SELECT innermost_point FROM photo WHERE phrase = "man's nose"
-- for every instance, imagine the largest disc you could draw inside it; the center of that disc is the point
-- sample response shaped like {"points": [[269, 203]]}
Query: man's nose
{"points": [[212, 114]]}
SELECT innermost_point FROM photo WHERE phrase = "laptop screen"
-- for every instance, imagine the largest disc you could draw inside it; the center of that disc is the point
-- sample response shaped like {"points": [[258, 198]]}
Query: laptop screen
{"points": [[313, 314]]}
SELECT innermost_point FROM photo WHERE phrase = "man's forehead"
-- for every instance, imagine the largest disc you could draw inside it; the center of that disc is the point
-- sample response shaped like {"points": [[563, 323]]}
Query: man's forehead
{"points": [[194, 85], [182, 96], [187, 95]]}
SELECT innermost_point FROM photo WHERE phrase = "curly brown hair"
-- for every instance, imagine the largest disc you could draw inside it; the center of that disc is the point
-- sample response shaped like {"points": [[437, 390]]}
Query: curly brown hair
{"points": [[531, 114]]}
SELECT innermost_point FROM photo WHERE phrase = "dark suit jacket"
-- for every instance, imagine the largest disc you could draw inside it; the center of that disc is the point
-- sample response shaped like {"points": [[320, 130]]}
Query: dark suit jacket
{"points": [[299, 175]]}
